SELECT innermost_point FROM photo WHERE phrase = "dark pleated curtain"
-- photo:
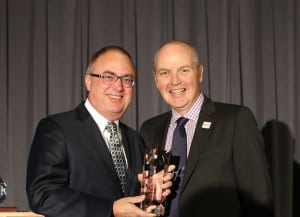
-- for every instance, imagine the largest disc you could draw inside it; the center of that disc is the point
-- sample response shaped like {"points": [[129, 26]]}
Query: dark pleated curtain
{"points": [[250, 50]]}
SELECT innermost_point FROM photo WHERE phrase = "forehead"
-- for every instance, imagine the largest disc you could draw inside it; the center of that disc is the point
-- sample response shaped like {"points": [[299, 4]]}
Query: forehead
{"points": [[114, 61], [174, 55]]}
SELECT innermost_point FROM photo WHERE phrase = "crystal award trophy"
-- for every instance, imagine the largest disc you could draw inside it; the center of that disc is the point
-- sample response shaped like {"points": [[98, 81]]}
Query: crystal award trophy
{"points": [[155, 166]]}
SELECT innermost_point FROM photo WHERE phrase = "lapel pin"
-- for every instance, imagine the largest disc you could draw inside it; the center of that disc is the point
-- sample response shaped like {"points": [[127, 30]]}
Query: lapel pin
{"points": [[206, 125]]}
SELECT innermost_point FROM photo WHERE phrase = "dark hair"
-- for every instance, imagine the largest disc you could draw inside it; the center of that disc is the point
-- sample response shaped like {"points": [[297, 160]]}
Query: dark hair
{"points": [[103, 50], [106, 49]]}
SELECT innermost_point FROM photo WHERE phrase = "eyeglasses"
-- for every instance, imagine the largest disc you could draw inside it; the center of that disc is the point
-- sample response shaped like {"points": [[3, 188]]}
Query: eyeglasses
{"points": [[110, 78]]}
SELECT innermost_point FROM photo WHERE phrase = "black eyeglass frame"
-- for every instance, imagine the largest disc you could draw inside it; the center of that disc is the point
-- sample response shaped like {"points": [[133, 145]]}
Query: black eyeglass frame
{"points": [[116, 77]]}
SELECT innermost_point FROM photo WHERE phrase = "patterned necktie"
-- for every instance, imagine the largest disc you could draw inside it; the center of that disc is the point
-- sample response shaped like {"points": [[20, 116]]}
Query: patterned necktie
{"points": [[117, 153], [179, 155]]}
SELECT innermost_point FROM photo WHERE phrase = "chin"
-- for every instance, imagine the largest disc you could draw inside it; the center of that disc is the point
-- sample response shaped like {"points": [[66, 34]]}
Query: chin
{"points": [[177, 103], [117, 113]]}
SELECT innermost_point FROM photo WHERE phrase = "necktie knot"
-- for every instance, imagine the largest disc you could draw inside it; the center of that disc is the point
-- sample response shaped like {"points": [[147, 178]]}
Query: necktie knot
{"points": [[181, 121], [180, 125], [111, 127]]}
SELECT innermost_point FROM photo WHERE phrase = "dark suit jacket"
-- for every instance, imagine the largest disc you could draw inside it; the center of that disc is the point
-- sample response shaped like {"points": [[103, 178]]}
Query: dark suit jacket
{"points": [[227, 172], [70, 171]]}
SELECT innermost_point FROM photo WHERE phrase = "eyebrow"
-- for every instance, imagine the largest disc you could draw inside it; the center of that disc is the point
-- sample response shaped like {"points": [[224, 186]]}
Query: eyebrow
{"points": [[110, 72], [184, 66]]}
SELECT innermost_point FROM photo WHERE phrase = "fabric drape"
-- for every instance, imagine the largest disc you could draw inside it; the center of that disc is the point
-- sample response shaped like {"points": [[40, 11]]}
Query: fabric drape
{"points": [[250, 50]]}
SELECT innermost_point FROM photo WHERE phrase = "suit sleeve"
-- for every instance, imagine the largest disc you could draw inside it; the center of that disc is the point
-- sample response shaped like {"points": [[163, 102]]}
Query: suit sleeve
{"points": [[47, 184], [251, 167]]}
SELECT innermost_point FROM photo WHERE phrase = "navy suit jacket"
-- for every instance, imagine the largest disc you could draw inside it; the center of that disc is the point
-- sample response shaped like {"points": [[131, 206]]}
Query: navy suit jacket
{"points": [[70, 171], [226, 172]]}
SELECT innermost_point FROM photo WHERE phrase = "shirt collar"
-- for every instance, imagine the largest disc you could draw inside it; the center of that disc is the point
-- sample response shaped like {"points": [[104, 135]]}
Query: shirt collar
{"points": [[192, 114], [98, 118]]}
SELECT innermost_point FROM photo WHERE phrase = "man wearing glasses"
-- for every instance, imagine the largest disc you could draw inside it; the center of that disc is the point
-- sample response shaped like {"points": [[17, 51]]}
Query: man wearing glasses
{"points": [[85, 162]]}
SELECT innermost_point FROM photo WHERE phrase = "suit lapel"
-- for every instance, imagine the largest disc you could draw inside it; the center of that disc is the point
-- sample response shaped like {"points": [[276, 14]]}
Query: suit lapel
{"points": [[161, 135], [96, 142], [159, 130], [205, 125], [127, 142]]}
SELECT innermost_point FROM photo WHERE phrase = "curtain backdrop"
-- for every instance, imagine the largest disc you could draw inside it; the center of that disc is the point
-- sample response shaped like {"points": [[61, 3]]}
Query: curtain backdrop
{"points": [[250, 50]]}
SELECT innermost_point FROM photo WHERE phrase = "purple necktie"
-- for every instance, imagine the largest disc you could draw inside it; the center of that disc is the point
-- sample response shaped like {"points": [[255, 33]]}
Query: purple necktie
{"points": [[179, 157]]}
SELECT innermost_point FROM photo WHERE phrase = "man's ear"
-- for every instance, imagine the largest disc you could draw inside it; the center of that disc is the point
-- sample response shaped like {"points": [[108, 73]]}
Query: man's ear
{"points": [[155, 80], [200, 70], [87, 80]]}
